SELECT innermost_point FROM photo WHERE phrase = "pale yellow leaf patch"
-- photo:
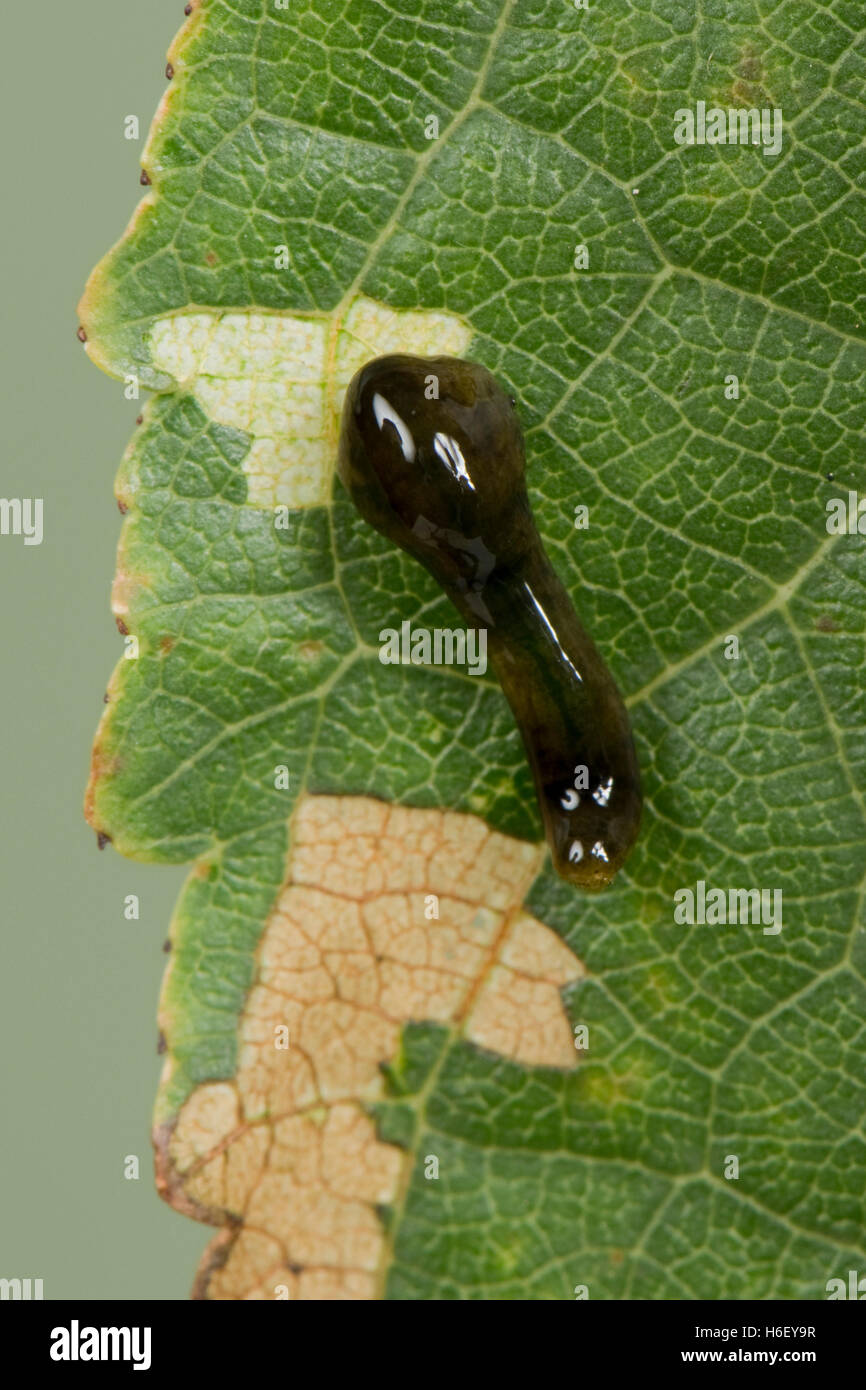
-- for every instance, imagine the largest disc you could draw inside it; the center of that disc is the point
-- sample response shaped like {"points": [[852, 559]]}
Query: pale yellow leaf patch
{"points": [[281, 378]]}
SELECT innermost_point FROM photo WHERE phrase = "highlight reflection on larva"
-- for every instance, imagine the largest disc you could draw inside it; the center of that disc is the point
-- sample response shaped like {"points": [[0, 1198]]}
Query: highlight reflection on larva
{"points": [[444, 479]]}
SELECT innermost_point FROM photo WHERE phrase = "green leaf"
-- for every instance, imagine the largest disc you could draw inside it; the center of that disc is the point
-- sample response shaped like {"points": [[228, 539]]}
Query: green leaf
{"points": [[307, 128]]}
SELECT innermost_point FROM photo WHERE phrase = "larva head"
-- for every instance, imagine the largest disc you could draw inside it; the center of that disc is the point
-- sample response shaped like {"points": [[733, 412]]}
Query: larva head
{"points": [[432, 447]]}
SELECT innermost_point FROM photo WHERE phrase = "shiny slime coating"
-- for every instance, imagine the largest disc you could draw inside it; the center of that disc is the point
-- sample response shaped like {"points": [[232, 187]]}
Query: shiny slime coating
{"points": [[431, 453]]}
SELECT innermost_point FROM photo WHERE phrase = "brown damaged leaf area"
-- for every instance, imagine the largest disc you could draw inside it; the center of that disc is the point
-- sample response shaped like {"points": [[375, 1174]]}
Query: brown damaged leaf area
{"points": [[102, 765], [285, 1156]]}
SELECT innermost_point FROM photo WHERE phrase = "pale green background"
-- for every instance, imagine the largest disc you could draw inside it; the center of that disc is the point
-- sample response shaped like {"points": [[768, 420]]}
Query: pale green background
{"points": [[78, 984]]}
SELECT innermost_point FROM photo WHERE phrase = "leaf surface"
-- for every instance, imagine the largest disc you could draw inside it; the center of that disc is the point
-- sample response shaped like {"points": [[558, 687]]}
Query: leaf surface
{"points": [[307, 129]]}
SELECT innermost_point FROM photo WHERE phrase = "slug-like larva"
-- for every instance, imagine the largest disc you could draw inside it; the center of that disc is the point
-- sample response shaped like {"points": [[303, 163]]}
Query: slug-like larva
{"points": [[444, 479]]}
